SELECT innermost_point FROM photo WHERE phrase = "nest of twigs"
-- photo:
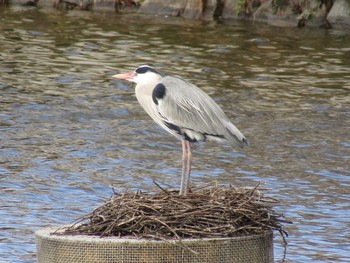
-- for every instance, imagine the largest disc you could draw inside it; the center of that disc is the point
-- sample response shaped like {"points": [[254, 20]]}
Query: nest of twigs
{"points": [[208, 212]]}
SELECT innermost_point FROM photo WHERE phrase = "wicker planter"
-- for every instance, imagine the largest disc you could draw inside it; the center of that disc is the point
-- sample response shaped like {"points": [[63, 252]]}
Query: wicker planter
{"points": [[74, 249]]}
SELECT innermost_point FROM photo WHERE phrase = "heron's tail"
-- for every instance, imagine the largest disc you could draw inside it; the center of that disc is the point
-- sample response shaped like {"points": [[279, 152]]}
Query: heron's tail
{"points": [[235, 136]]}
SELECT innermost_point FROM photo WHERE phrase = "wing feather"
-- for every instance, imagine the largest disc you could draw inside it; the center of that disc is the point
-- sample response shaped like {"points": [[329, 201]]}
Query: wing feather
{"points": [[188, 107]]}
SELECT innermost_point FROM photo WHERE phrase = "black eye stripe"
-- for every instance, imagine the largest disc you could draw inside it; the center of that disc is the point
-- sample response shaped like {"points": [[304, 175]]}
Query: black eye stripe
{"points": [[144, 69], [141, 70]]}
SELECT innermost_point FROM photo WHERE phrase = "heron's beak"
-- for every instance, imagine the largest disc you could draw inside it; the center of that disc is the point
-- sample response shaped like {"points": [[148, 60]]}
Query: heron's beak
{"points": [[127, 76]]}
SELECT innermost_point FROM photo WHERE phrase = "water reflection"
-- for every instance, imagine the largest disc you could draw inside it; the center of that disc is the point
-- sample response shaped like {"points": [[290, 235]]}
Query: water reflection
{"points": [[68, 132]]}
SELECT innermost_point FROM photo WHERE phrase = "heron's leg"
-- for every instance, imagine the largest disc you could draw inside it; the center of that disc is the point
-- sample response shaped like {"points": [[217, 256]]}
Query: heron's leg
{"points": [[189, 166], [184, 153]]}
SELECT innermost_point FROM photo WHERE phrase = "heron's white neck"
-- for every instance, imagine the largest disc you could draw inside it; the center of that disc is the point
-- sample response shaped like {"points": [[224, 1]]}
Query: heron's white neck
{"points": [[148, 78]]}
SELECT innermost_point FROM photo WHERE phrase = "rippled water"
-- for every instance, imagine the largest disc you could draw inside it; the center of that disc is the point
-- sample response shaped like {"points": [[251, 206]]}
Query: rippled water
{"points": [[68, 132]]}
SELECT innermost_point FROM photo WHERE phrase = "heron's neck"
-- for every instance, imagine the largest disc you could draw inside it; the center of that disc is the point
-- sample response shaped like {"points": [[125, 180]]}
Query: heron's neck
{"points": [[146, 87]]}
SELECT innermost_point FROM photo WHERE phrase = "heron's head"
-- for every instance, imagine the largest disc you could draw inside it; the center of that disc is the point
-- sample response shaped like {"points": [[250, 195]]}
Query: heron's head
{"points": [[142, 75]]}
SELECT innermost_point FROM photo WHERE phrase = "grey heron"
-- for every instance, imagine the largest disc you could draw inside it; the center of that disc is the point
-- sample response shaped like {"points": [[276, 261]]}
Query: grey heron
{"points": [[183, 110]]}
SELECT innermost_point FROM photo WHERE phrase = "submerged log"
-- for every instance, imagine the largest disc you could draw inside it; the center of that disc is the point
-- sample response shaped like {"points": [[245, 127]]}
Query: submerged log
{"points": [[280, 13], [190, 9], [324, 13], [163, 7]]}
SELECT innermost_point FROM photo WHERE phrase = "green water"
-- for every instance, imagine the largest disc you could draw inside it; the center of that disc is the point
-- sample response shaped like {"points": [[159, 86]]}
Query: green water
{"points": [[68, 132]]}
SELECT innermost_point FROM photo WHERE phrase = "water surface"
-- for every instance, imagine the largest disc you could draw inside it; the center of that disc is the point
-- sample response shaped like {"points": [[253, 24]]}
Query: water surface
{"points": [[68, 133]]}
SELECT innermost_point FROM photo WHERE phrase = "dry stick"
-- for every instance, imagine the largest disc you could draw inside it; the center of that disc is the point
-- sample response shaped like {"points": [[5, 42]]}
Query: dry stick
{"points": [[161, 188], [214, 212], [254, 189]]}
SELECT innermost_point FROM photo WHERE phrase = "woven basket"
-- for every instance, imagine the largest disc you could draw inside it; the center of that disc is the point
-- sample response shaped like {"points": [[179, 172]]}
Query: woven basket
{"points": [[86, 249]]}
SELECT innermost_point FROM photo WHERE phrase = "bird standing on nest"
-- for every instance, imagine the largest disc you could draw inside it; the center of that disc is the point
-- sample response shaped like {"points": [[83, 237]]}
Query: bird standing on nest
{"points": [[183, 110]]}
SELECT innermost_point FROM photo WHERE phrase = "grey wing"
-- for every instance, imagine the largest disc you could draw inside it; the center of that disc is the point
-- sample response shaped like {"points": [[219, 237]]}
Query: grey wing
{"points": [[188, 111]]}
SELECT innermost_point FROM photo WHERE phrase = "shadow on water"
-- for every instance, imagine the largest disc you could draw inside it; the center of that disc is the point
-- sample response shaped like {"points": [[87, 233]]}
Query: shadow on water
{"points": [[68, 132]]}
